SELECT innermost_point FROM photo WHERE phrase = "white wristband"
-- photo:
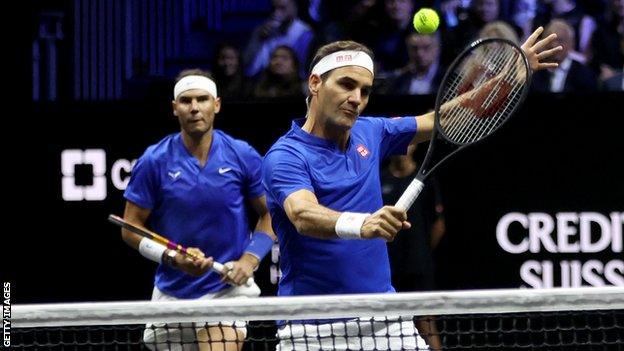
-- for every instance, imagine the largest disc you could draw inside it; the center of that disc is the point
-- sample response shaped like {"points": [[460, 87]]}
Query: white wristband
{"points": [[349, 225], [151, 250]]}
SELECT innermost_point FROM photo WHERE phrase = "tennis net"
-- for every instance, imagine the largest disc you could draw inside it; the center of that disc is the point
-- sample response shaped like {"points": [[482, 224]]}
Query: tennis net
{"points": [[540, 319]]}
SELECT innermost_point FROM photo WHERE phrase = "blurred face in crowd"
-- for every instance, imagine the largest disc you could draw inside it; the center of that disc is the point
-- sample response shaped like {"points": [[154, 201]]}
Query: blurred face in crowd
{"points": [[560, 6], [499, 29], [565, 38], [282, 62], [196, 110], [284, 10], [361, 7], [399, 11], [617, 6], [486, 10], [342, 95], [423, 50], [228, 60]]}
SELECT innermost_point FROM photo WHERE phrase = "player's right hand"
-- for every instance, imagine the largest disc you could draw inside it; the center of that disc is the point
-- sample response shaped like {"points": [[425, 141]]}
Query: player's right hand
{"points": [[195, 267], [385, 223]]}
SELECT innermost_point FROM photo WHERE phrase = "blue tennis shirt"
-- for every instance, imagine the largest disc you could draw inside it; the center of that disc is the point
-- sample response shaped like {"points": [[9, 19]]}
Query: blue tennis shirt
{"points": [[197, 206], [342, 181]]}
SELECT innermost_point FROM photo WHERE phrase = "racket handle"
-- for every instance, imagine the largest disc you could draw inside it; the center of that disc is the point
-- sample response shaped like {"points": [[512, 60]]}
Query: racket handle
{"points": [[220, 268], [410, 194]]}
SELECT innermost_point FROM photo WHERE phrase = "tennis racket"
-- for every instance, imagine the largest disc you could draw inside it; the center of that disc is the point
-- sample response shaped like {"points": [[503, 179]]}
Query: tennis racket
{"points": [[216, 266], [480, 91]]}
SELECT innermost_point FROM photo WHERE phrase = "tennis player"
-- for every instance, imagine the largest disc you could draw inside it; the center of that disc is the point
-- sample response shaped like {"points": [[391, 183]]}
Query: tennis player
{"points": [[192, 187], [322, 180]]}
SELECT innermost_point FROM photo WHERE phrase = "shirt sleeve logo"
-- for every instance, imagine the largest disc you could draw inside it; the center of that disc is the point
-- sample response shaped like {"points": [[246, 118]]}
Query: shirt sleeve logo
{"points": [[362, 150]]}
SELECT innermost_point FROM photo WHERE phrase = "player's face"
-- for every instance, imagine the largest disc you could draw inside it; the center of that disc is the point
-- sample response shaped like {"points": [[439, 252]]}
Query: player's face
{"points": [[196, 110], [344, 94]]}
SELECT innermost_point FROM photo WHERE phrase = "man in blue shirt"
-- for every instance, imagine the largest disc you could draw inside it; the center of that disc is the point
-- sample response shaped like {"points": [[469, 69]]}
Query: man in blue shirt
{"points": [[323, 190], [192, 187]]}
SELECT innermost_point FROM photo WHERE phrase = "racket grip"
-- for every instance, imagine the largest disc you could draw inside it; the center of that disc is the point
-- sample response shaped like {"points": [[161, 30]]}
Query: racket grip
{"points": [[220, 268], [410, 194]]}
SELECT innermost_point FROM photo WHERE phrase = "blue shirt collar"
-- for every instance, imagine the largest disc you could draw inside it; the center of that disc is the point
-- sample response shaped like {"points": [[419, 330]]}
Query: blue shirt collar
{"points": [[184, 153], [311, 139]]}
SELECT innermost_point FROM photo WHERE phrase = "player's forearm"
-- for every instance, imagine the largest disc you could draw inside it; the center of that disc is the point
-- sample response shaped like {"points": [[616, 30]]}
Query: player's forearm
{"points": [[130, 238], [136, 215], [264, 225], [315, 220], [424, 125]]}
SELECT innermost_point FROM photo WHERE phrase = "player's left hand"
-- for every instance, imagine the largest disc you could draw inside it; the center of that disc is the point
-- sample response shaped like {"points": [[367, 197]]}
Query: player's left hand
{"points": [[539, 51], [195, 267], [239, 271]]}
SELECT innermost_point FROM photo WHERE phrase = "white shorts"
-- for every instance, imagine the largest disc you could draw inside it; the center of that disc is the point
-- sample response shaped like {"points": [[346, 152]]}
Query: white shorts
{"points": [[183, 336], [379, 333]]}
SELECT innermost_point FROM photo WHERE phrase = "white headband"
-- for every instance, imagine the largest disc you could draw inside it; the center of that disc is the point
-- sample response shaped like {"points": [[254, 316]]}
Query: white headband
{"points": [[195, 82], [344, 58]]}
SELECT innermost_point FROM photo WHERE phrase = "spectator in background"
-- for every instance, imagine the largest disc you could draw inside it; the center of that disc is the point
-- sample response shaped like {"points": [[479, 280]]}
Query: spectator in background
{"points": [[386, 34], [499, 29], [523, 15], [481, 12], [452, 11], [343, 19], [571, 75], [411, 258], [582, 24], [423, 73], [281, 78], [615, 83], [282, 28], [607, 44], [228, 71]]}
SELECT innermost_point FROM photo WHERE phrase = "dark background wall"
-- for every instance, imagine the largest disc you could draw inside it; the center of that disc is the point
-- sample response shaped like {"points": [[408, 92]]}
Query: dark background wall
{"points": [[560, 154]]}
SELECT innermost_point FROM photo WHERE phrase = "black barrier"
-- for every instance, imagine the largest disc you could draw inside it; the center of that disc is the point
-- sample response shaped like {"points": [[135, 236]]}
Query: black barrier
{"points": [[541, 203]]}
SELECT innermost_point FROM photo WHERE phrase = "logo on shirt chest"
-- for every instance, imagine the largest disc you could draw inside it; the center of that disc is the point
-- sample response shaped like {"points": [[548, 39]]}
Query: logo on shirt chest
{"points": [[174, 175], [362, 150], [223, 170]]}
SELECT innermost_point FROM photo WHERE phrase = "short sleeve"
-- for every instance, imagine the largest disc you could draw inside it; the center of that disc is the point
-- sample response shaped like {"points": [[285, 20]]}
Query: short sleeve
{"points": [[284, 172], [396, 135], [144, 183], [252, 164]]}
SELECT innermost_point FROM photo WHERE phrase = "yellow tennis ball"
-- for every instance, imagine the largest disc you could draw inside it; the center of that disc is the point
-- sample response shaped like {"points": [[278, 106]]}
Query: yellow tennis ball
{"points": [[426, 21]]}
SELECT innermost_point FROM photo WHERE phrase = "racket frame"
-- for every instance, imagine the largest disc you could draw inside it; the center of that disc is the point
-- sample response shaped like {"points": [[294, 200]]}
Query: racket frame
{"points": [[438, 131]]}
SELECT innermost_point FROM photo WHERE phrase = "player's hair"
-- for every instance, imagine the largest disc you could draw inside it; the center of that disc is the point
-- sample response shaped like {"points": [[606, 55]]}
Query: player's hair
{"points": [[193, 72]]}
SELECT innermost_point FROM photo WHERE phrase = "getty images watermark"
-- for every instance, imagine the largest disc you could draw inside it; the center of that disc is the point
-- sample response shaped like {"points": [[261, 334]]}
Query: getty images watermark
{"points": [[6, 314]]}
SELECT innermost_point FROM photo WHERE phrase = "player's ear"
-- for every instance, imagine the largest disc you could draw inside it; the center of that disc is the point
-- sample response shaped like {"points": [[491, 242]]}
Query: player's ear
{"points": [[173, 107], [217, 105], [314, 82]]}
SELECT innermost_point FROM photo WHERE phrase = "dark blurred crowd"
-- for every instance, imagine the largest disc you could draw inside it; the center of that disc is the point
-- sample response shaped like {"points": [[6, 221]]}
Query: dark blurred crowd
{"points": [[275, 59]]}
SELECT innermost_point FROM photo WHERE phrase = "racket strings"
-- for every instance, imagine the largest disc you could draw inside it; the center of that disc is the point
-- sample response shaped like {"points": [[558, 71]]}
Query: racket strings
{"points": [[480, 98], [484, 101], [461, 117], [471, 75], [493, 100], [488, 83]]}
